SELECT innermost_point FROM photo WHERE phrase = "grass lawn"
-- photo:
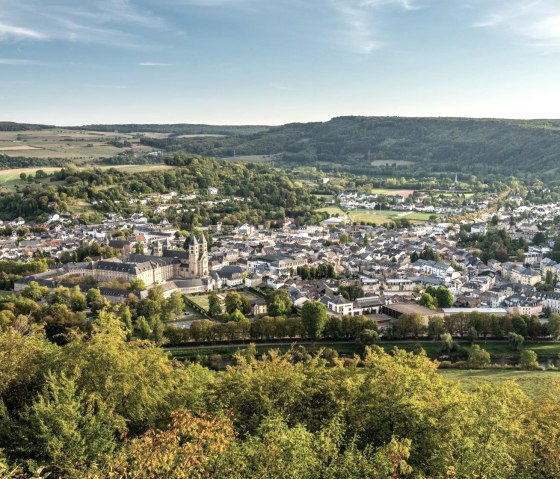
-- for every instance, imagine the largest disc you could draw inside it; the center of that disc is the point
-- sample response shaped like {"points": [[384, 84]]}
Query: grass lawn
{"points": [[498, 350], [389, 192], [534, 383], [201, 301], [331, 210], [376, 216], [5, 293]]}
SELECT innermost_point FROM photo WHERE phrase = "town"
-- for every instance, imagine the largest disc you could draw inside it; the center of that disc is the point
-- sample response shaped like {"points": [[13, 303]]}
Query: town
{"points": [[429, 270]]}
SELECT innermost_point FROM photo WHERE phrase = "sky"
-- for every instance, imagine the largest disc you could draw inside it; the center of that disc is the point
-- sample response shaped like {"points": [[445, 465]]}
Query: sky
{"points": [[75, 62]]}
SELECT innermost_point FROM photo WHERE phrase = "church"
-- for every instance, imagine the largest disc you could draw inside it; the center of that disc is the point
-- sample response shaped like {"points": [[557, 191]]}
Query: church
{"points": [[164, 264]]}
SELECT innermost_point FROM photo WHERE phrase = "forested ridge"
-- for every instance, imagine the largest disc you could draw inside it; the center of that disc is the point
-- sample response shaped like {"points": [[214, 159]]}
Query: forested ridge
{"points": [[175, 128], [372, 145], [267, 194]]}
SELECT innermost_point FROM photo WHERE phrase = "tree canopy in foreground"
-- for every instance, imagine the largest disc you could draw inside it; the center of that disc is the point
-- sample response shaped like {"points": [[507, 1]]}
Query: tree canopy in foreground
{"points": [[100, 406]]}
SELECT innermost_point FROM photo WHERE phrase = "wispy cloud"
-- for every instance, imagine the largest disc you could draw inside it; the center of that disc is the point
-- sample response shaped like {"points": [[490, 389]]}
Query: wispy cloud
{"points": [[154, 64], [18, 62], [362, 30], [14, 31], [537, 21], [111, 22]]}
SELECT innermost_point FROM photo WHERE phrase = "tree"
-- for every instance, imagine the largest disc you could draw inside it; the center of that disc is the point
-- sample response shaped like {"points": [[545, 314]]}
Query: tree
{"points": [[436, 327], [408, 325], [444, 297], [137, 284], [447, 343], [214, 305], [515, 341], [472, 334], [539, 238], [553, 326], [143, 327], [233, 301], [139, 247], [279, 302], [529, 360], [478, 357], [368, 337], [427, 301], [175, 304], [237, 316], [68, 428], [157, 330], [314, 319], [126, 318], [77, 299], [34, 291]]}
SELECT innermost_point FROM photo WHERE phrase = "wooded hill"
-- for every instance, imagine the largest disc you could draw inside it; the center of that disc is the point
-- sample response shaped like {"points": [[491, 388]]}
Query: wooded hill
{"points": [[176, 129], [403, 146]]}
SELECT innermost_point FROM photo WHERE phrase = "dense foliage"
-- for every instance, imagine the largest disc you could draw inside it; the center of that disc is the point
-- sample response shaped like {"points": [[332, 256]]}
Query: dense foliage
{"points": [[257, 193], [102, 407]]}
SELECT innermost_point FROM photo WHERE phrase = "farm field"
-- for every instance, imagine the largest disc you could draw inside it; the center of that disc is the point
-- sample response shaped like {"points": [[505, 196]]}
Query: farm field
{"points": [[389, 192], [376, 216], [79, 146], [250, 158], [534, 383]]}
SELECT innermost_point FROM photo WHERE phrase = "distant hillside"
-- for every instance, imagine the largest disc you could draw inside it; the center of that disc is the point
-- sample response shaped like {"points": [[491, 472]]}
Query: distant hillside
{"points": [[403, 146], [12, 126], [177, 129]]}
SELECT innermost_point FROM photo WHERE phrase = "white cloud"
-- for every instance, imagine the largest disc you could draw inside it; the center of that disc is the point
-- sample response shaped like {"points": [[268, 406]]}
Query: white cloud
{"points": [[111, 22], [537, 21], [18, 32], [362, 21]]}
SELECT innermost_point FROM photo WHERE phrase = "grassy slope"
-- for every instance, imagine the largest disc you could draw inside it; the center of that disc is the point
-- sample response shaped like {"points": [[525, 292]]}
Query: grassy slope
{"points": [[534, 383]]}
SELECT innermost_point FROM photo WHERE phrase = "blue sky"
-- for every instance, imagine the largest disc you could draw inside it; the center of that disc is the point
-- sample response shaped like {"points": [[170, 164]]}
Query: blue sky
{"points": [[276, 61]]}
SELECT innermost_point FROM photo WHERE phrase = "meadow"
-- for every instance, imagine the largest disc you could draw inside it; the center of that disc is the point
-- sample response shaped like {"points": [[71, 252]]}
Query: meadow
{"points": [[535, 384], [79, 146], [382, 216]]}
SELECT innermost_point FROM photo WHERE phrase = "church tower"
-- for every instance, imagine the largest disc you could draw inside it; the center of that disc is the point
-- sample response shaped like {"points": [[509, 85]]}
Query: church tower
{"points": [[198, 257]]}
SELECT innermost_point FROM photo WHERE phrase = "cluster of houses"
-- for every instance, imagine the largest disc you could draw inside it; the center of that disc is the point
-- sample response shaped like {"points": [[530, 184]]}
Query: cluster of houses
{"points": [[376, 260]]}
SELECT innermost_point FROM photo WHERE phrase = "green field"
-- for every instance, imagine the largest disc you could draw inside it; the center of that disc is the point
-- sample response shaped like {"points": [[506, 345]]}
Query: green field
{"points": [[382, 216], [331, 210], [534, 383], [201, 301], [390, 192], [5, 293], [251, 158], [376, 216], [60, 143]]}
